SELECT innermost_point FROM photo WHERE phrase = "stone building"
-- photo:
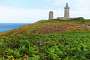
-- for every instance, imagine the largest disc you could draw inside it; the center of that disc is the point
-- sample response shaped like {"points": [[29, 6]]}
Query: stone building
{"points": [[66, 13], [50, 14]]}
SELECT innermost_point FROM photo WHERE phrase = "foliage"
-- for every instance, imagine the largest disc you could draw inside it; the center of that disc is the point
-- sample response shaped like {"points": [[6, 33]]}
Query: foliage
{"points": [[39, 44], [66, 46], [78, 18]]}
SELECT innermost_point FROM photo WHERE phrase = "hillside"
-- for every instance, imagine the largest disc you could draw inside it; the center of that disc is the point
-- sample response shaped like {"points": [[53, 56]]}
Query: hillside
{"points": [[52, 26], [48, 40]]}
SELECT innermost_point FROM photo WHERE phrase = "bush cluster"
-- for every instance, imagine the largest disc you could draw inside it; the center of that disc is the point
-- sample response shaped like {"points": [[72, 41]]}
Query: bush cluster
{"points": [[53, 46]]}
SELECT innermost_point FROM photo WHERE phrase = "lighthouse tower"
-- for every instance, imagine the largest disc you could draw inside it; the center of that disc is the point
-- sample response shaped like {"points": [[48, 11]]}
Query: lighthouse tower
{"points": [[50, 15], [66, 11]]}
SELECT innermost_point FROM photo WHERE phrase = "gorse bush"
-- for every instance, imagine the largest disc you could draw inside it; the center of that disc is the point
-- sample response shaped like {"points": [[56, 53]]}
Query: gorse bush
{"points": [[54, 46]]}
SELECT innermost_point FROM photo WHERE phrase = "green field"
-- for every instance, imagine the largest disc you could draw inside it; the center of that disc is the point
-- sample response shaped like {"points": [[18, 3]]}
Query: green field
{"points": [[45, 44]]}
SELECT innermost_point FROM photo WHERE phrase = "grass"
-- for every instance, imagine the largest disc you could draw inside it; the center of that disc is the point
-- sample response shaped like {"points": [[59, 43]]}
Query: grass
{"points": [[60, 39]]}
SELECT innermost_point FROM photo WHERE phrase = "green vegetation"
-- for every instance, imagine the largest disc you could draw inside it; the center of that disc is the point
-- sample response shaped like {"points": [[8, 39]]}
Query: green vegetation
{"points": [[47, 40]]}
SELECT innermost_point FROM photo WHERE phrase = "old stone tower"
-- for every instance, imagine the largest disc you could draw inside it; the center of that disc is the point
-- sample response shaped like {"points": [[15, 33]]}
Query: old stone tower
{"points": [[50, 14], [66, 11]]}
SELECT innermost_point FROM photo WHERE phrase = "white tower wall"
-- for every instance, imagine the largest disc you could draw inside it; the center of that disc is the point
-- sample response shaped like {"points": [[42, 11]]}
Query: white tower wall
{"points": [[66, 11]]}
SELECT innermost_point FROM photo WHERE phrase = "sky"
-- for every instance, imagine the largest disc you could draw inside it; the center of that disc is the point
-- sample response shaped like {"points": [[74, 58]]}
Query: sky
{"points": [[30, 11]]}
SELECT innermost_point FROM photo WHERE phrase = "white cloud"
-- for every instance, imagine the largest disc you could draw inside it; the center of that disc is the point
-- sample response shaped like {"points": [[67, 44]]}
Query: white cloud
{"points": [[57, 2], [76, 4], [19, 15], [77, 7]]}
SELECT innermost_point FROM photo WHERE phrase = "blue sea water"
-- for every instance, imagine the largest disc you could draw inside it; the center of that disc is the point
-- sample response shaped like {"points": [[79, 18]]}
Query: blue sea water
{"points": [[4, 27]]}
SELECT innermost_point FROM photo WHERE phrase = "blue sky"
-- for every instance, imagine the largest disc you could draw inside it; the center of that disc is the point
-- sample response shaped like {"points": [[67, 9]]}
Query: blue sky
{"points": [[28, 11]]}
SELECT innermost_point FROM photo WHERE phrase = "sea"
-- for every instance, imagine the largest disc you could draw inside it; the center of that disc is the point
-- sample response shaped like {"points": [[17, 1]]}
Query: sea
{"points": [[4, 27]]}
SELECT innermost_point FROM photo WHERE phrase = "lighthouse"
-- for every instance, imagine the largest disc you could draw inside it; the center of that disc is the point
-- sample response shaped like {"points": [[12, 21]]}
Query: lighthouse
{"points": [[66, 11]]}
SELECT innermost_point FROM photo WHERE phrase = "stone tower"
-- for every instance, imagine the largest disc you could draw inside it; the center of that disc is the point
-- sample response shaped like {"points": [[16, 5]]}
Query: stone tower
{"points": [[50, 14], [66, 11]]}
